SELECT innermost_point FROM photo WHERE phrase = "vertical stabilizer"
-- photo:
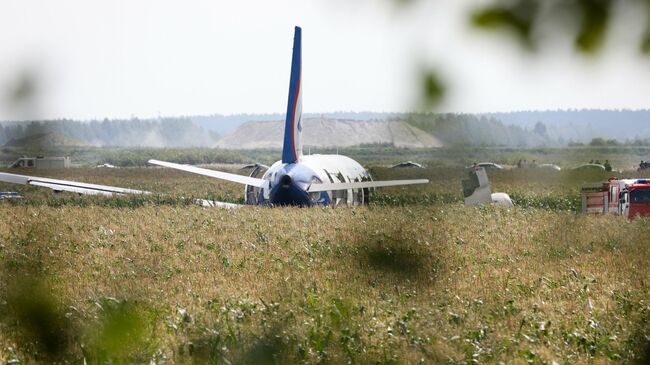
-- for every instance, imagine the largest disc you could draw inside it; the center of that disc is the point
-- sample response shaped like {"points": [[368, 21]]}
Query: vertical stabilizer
{"points": [[292, 147], [477, 188]]}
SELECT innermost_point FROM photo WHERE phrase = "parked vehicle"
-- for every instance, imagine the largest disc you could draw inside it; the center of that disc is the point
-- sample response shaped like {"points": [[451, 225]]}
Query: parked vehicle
{"points": [[590, 166], [486, 165], [549, 166], [407, 164], [41, 162]]}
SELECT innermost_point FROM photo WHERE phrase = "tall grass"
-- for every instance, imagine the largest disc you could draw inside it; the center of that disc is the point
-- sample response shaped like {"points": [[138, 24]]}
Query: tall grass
{"points": [[413, 277], [438, 283]]}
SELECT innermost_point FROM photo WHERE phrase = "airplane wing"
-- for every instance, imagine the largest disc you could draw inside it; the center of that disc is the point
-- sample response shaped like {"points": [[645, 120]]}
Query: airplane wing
{"points": [[93, 189], [240, 179], [66, 185], [362, 185]]}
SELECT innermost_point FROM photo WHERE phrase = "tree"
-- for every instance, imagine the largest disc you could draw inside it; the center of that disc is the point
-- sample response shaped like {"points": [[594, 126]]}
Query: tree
{"points": [[540, 129], [598, 142]]}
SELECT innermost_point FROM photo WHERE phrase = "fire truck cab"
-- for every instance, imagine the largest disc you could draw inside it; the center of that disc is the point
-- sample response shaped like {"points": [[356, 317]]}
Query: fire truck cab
{"points": [[635, 199]]}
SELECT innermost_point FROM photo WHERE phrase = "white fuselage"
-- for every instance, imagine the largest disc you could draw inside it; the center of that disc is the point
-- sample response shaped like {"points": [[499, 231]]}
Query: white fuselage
{"points": [[312, 169]]}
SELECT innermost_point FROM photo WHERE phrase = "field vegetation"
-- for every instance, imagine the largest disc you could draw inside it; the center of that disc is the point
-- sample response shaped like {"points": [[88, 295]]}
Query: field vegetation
{"points": [[622, 157], [414, 277]]}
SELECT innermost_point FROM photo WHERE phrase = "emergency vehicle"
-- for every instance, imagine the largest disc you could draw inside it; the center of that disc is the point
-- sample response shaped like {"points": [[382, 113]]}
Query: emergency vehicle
{"points": [[627, 197]]}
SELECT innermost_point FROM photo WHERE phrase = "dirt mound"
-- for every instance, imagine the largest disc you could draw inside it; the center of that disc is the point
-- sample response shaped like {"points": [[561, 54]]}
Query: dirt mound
{"points": [[319, 132]]}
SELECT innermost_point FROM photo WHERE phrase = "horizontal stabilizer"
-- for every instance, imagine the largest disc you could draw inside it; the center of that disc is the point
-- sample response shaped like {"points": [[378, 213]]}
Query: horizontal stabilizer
{"points": [[246, 180], [66, 185], [362, 185]]}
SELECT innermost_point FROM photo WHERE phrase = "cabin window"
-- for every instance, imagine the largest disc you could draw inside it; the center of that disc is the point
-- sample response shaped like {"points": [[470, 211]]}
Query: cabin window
{"points": [[30, 163], [640, 196]]}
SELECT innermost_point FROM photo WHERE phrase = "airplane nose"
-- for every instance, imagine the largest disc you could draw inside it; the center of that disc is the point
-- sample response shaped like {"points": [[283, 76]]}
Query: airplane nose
{"points": [[285, 181]]}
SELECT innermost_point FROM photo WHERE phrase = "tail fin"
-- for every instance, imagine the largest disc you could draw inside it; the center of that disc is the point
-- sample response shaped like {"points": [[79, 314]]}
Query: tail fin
{"points": [[292, 148], [477, 188]]}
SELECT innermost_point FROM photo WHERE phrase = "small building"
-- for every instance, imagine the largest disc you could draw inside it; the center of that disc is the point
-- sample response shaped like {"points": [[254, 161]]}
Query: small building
{"points": [[41, 162]]}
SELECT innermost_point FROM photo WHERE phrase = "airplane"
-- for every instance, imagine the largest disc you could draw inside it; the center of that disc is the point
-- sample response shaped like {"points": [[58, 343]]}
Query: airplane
{"points": [[296, 179]]}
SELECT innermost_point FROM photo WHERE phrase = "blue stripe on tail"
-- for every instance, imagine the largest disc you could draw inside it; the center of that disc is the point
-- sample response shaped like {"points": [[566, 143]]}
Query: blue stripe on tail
{"points": [[289, 148]]}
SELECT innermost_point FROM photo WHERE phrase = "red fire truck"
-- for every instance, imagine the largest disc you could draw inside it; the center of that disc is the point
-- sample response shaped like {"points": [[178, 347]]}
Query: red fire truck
{"points": [[627, 197]]}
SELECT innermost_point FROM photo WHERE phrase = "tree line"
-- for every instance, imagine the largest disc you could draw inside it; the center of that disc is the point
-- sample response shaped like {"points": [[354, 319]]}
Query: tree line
{"points": [[160, 132], [472, 130]]}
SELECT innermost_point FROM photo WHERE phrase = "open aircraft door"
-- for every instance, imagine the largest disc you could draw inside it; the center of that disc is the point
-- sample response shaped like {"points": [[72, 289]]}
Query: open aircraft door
{"points": [[357, 194], [252, 193], [338, 197]]}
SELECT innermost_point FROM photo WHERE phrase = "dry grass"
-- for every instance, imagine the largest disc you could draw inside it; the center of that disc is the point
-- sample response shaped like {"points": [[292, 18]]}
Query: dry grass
{"points": [[437, 283]]}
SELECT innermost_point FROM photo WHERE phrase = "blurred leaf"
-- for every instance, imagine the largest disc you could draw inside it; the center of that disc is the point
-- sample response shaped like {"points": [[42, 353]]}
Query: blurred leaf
{"points": [[520, 16], [645, 40], [41, 320], [403, 2], [645, 43], [433, 88], [595, 17], [123, 333], [517, 18], [24, 88]]}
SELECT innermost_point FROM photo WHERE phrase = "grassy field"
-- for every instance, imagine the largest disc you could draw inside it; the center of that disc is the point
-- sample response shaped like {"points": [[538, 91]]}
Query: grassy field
{"points": [[414, 277], [621, 157]]}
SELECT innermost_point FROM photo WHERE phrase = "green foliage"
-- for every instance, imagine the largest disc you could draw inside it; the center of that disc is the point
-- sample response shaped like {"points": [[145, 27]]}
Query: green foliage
{"points": [[517, 17], [33, 312], [600, 142], [123, 333], [470, 130], [433, 88], [130, 157], [434, 283], [161, 132], [127, 201], [382, 199], [593, 25], [570, 202], [525, 17]]}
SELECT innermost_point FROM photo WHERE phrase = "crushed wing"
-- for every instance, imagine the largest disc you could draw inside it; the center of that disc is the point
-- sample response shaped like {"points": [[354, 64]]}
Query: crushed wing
{"points": [[93, 189], [67, 185]]}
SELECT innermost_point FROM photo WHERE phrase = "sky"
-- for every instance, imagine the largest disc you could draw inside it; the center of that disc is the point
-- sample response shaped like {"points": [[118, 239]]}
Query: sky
{"points": [[120, 59]]}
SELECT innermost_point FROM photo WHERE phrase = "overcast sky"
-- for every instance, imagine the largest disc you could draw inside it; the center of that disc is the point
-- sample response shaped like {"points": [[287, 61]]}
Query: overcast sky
{"points": [[118, 58]]}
